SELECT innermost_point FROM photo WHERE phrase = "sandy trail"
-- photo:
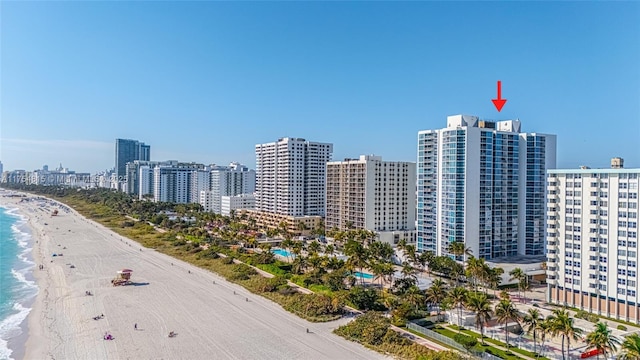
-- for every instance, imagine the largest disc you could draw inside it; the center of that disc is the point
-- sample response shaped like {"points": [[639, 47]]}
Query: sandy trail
{"points": [[211, 322]]}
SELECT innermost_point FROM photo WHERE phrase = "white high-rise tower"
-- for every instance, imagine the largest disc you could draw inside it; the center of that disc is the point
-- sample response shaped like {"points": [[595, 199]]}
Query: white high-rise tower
{"points": [[290, 176], [483, 183]]}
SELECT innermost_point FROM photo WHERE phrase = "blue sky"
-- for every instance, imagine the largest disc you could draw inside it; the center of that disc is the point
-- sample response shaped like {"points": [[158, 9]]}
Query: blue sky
{"points": [[206, 81]]}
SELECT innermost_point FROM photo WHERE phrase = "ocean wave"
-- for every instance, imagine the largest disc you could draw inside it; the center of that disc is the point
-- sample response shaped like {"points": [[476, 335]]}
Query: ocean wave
{"points": [[27, 284], [10, 327], [24, 241]]}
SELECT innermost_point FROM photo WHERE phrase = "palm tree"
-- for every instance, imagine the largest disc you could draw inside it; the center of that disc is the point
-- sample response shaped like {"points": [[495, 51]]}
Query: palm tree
{"points": [[532, 320], [458, 249], [562, 324], [495, 278], [479, 304], [408, 271], [544, 328], [505, 313], [458, 296], [436, 293], [602, 340], [631, 347], [329, 250], [414, 296], [314, 247], [358, 256], [475, 269], [518, 274]]}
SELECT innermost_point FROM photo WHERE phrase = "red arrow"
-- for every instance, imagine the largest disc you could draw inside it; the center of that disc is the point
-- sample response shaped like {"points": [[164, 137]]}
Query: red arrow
{"points": [[499, 102]]}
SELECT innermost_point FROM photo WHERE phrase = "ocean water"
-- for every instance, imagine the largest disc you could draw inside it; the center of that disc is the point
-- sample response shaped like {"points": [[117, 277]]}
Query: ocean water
{"points": [[17, 288]]}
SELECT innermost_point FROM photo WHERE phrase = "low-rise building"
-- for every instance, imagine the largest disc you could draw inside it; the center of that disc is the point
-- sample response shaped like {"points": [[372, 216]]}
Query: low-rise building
{"points": [[295, 225], [234, 203]]}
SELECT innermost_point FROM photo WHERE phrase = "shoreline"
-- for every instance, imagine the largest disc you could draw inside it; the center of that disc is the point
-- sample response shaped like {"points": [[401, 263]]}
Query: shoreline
{"points": [[213, 318], [17, 344]]}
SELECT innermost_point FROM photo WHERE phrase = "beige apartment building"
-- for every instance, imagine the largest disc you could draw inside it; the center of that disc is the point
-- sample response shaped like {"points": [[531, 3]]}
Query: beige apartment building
{"points": [[371, 194]]}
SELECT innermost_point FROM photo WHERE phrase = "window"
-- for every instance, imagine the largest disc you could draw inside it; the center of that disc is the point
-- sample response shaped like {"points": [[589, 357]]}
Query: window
{"points": [[621, 253], [622, 291], [622, 271], [602, 277], [631, 292], [602, 287], [622, 282]]}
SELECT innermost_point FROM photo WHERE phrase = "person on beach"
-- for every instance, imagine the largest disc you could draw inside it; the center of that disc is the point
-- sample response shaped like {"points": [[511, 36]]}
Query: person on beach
{"points": [[135, 326]]}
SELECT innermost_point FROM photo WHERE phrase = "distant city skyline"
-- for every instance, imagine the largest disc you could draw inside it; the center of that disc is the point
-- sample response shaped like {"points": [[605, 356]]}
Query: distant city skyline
{"points": [[364, 76]]}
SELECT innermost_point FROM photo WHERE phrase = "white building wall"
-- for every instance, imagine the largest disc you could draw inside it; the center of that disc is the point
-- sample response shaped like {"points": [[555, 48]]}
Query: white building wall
{"points": [[237, 202], [230, 180], [592, 240], [146, 181], [290, 176]]}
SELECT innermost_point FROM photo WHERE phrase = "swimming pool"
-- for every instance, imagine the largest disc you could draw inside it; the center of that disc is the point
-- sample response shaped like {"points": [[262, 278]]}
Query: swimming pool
{"points": [[363, 275], [281, 252]]}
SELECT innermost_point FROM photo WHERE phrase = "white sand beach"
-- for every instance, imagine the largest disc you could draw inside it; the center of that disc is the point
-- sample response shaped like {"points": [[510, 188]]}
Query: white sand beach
{"points": [[211, 322]]}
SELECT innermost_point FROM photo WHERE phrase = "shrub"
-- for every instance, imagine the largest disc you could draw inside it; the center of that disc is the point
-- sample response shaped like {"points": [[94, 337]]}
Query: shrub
{"points": [[370, 328], [228, 260], [334, 280], [363, 299], [266, 257], [313, 305], [593, 318], [270, 285], [179, 243], [208, 254], [467, 341], [126, 224], [622, 327], [241, 272]]}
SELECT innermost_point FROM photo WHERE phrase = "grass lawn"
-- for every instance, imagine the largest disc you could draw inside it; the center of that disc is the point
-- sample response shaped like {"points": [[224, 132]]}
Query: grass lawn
{"points": [[486, 348], [427, 338], [500, 343]]}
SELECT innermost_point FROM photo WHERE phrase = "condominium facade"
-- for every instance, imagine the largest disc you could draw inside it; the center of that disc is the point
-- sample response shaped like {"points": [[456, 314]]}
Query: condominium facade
{"points": [[482, 183], [368, 193], [592, 240], [173, 183], [128, 150], [231, 180], [290, 176]]}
